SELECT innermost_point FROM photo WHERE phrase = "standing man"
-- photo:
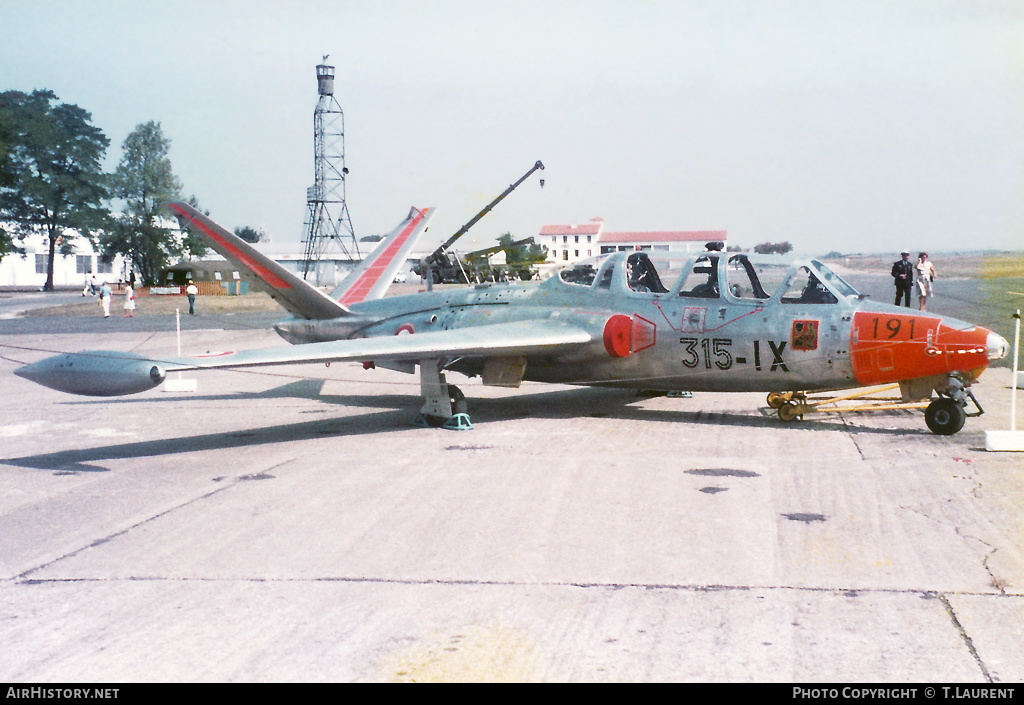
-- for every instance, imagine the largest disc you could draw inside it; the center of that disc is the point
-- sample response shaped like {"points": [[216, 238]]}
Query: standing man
{"points": [[191, 291], [903, 275]]}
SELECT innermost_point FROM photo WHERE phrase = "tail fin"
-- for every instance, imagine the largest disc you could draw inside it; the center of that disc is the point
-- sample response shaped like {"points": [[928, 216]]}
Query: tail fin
{"points": [[374, 274], [296, 295]]}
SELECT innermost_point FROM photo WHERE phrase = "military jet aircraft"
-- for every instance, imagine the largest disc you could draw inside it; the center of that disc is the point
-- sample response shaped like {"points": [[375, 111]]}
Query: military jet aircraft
{"points": [[713, 321]]}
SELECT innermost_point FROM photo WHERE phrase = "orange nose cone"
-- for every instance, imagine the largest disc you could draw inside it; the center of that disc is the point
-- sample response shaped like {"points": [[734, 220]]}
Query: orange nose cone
{"points": [[890, 347]]}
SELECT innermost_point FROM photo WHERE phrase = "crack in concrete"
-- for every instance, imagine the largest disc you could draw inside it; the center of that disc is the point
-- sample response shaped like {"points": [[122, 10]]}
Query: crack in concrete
{"points": [[23, 576], [998, 583], [966, 637], [849, 433], [990, 550], [848, 592]]}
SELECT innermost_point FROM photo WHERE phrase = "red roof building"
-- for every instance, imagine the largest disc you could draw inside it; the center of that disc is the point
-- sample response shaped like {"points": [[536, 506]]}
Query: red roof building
{"points": [[568, 243]]}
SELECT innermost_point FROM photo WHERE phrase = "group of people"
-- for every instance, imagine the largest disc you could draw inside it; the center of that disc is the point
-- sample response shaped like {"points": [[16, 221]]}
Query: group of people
{"points": [[913, 276], [105, 292]]}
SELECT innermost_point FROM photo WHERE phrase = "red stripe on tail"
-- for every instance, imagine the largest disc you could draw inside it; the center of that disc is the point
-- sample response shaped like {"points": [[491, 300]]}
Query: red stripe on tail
{"points": [[362, 286]]}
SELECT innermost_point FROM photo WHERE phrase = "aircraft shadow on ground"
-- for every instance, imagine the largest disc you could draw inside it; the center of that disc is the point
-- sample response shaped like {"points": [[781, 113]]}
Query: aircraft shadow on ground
{"points": [[554, 404], [87, 459], [622, 405], [398, 412], [301, 389]]}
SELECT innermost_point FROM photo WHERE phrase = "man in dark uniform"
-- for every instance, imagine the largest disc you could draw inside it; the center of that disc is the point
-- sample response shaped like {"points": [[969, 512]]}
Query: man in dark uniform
{"points": [[903, 275]]}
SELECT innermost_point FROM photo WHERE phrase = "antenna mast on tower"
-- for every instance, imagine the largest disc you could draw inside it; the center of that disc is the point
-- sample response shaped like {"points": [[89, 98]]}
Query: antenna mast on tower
{"points": [[327, 218]]}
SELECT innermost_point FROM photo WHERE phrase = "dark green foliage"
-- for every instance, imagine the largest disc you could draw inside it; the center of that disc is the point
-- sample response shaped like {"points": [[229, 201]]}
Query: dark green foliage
{"points": [[50, 177], [521, 256], [144, 181], [248, 234], [773, 248]]}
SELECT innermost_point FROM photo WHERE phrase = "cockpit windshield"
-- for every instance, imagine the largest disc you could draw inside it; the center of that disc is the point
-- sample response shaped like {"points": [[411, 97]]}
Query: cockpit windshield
{"points": [[710, 275], [805, 288], [834, 280]]}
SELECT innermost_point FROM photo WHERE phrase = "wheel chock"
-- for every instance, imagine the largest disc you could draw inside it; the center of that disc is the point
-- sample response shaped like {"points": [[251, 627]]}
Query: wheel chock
{"points": [[458, 422]]}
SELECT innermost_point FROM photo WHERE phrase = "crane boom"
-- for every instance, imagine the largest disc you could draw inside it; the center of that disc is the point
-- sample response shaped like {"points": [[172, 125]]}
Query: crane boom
{"points": [[437, 257]]}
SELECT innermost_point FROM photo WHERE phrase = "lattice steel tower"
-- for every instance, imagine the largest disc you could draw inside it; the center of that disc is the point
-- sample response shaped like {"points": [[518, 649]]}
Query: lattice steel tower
{"points": [[327, 220]]}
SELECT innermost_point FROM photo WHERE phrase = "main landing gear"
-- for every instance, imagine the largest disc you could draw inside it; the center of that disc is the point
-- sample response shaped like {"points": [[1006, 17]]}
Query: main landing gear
{"points": [[444, 404], [944, 415]]}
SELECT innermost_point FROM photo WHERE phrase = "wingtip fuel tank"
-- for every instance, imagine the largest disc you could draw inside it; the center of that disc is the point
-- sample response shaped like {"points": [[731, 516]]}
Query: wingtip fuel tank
{"points": [[99, 373]]}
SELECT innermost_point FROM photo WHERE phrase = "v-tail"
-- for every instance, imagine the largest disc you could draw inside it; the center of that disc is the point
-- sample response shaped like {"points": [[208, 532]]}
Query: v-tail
{"points": [[368, 281]]}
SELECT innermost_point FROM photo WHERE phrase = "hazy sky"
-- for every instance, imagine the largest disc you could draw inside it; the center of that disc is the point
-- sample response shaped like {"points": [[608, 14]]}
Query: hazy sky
{"points": [[835, 125]]}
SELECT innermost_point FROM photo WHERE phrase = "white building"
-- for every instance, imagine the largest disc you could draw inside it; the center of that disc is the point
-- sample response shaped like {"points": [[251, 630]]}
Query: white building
{"points": [[29, 269], [569, 243]]}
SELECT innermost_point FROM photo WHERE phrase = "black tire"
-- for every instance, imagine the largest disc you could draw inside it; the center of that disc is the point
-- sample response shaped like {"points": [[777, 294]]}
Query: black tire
{"points": [[457, 400], [945, 417]]}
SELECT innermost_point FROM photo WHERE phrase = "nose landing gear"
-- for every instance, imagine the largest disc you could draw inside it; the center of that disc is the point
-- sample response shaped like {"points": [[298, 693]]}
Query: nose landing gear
{"points": [[945, 416]]}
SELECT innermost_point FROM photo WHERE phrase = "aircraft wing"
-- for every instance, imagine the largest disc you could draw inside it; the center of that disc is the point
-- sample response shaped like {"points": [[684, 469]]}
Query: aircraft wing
{"points": [[114, 373], [297, 296], [501, 339]]}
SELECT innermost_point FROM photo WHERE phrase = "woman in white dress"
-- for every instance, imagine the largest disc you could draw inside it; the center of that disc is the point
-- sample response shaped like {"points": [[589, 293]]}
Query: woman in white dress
{"points": [[129, 301], [924, 276]]}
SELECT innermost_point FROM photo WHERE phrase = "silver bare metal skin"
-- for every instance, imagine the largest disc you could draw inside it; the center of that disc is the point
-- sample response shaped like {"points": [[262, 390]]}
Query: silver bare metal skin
{"points": [[713, 321], [100, 373]]}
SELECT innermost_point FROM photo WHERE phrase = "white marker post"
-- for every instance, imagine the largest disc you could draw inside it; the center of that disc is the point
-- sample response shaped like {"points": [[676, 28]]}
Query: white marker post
{"points": [[1012, 439], [178, 384]]}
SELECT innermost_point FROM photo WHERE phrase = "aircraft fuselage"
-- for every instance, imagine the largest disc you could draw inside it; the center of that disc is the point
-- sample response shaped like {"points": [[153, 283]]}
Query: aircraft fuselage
{"points": [[733, 337]]}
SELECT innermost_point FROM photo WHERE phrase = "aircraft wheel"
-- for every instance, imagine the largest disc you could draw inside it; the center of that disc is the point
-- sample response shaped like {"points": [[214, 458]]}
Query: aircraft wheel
{"points": [[945, 417], [777, 399], [788, 411], [457, 400]]}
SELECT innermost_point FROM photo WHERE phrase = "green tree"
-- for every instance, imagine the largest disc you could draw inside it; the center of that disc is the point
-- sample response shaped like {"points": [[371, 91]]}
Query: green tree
{"points": [[144, 180], [520, 258], [248, 234], [773, 248], [7, 245], [523, 255], [8, 134], [50, 177]]}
